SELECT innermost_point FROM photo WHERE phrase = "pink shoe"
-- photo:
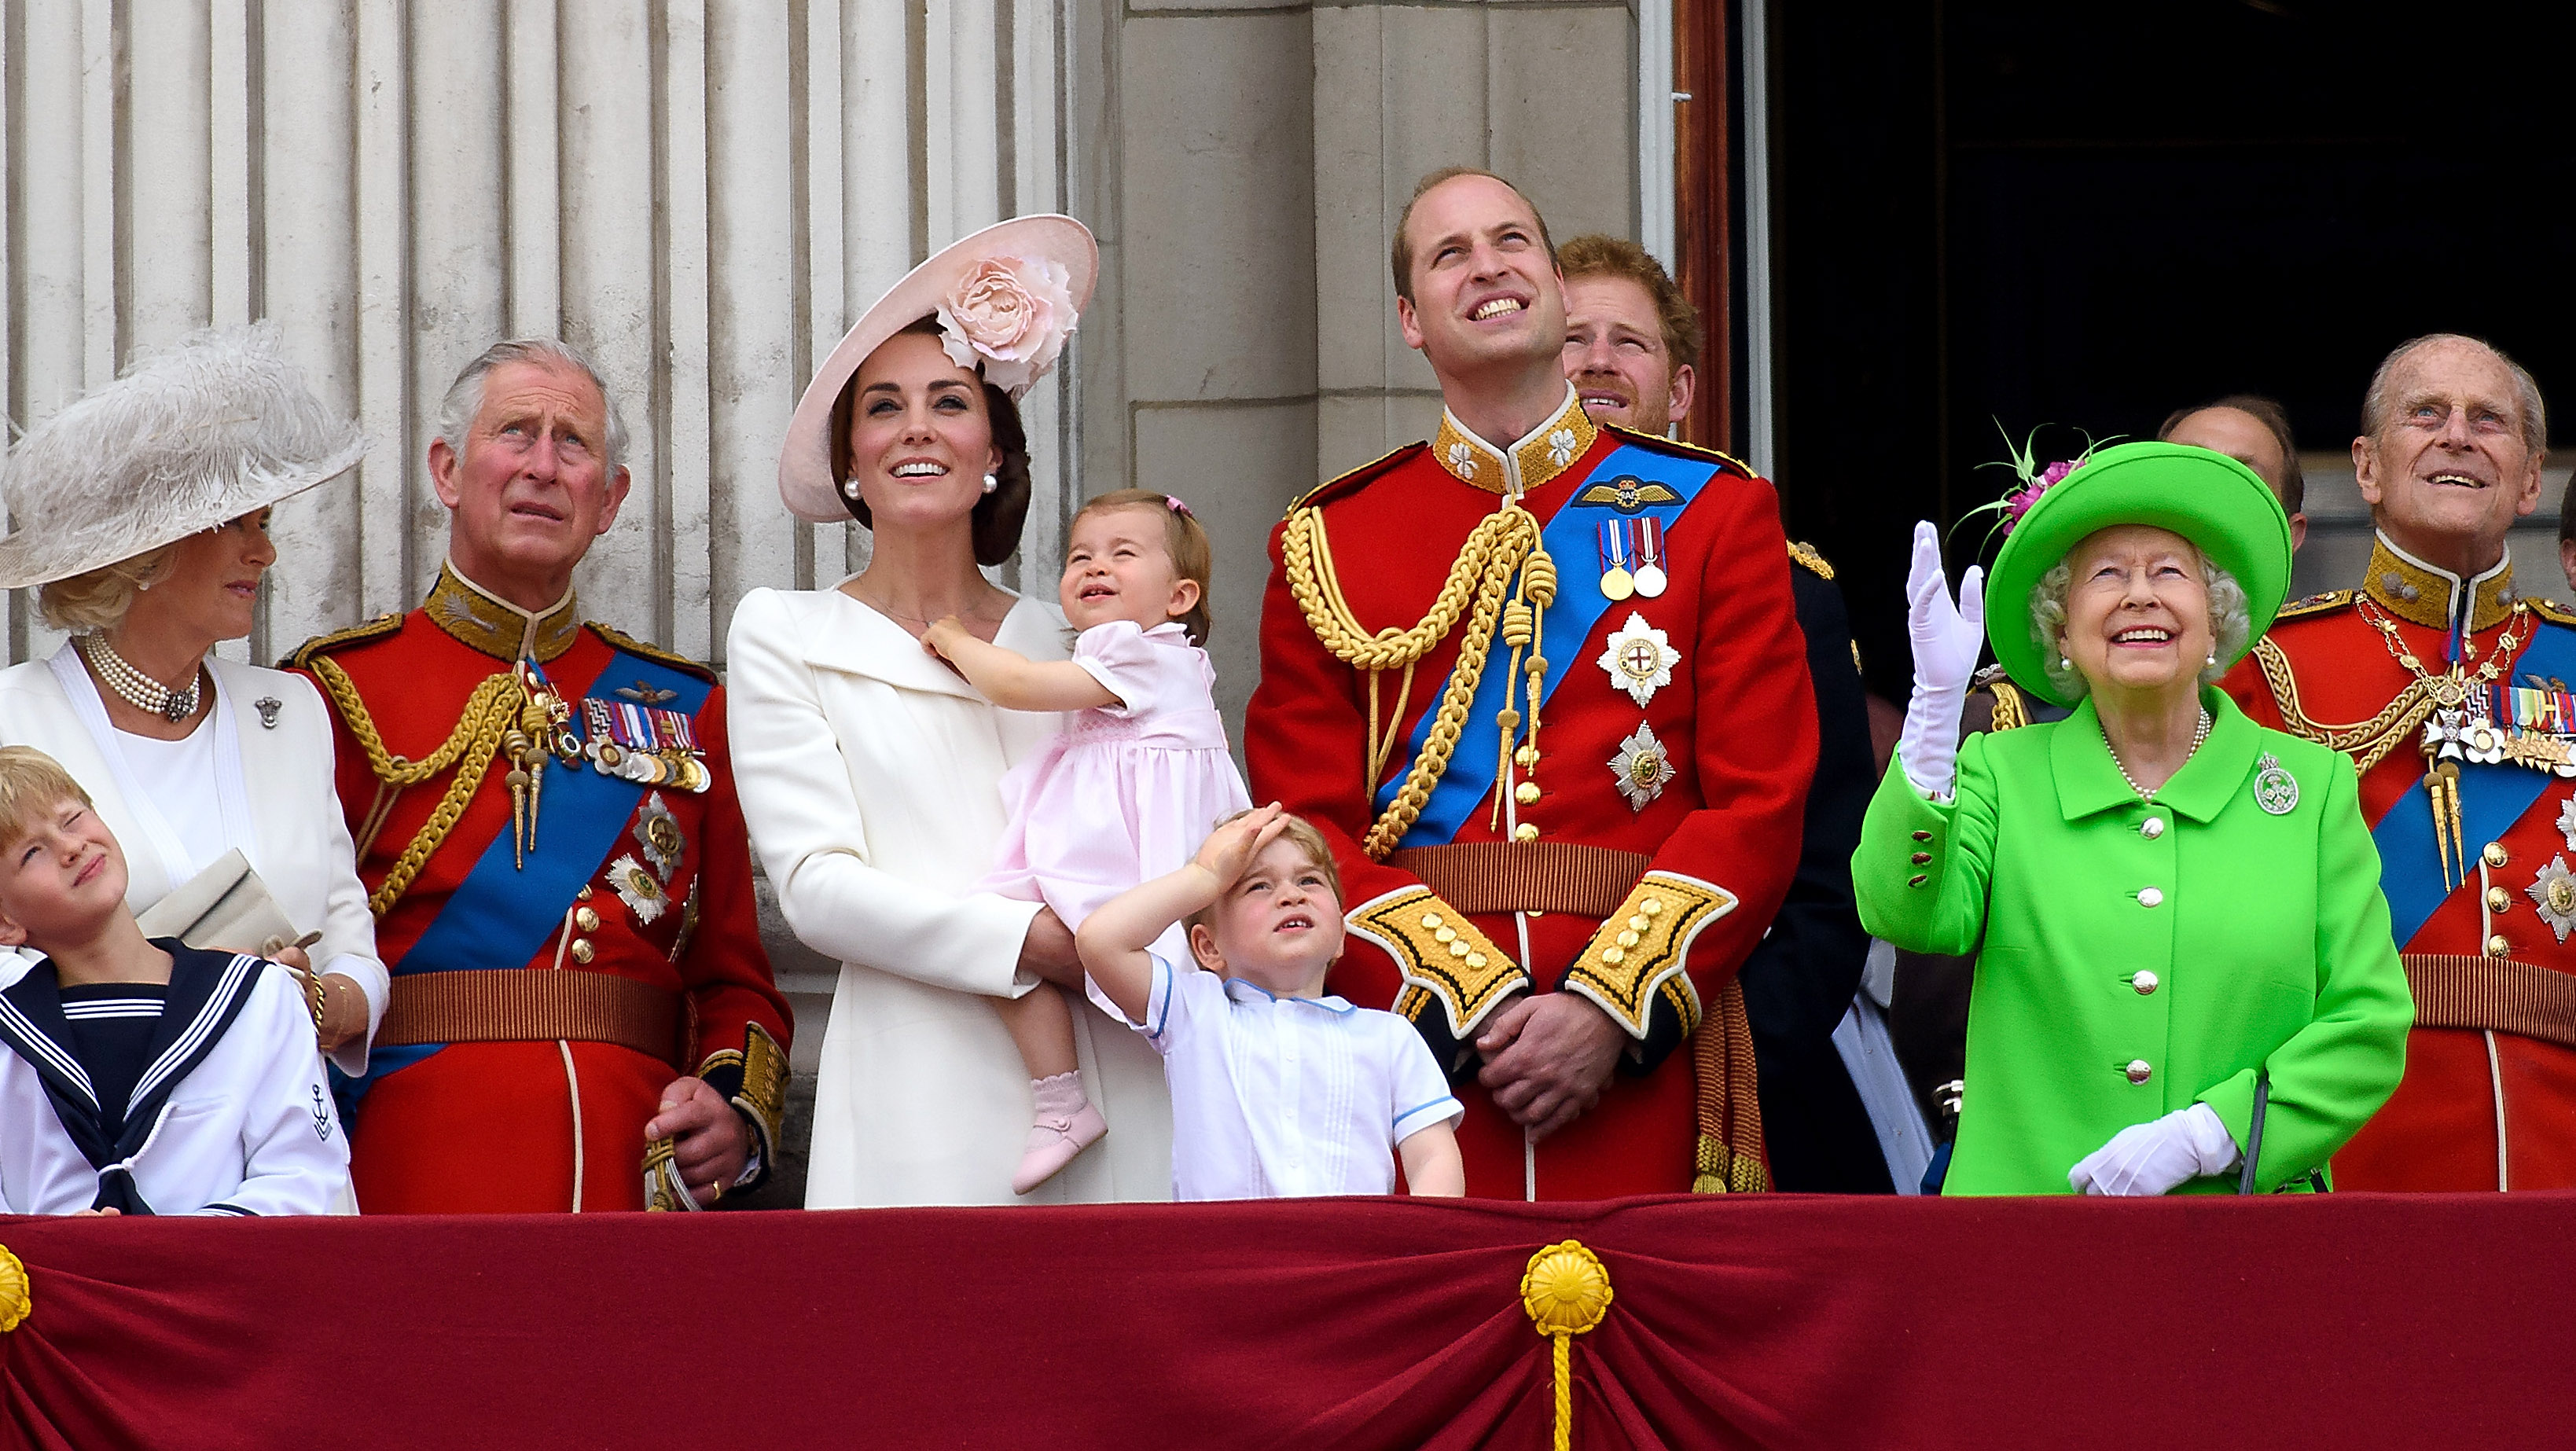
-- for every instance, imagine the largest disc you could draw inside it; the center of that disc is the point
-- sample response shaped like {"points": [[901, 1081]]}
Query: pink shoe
{"points": [[1066, 1125]]}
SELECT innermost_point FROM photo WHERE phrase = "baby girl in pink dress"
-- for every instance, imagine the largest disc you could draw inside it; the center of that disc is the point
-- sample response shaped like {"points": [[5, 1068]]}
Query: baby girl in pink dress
{"points": [[1131, 785]]}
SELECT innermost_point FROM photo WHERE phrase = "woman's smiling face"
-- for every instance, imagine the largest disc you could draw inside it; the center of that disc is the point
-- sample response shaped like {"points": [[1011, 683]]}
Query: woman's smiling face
{"points": [[920, 438], [2137, 610]]}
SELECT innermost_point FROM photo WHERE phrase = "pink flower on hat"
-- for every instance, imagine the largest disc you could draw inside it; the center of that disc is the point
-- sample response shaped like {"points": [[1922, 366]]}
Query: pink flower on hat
{"points": [[1010, 314]]}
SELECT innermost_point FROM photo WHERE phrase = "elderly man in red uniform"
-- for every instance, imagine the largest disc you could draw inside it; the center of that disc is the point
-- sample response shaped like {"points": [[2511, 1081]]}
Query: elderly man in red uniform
{"points": [[582, 1014], [1540, 683], [2450, 690]]}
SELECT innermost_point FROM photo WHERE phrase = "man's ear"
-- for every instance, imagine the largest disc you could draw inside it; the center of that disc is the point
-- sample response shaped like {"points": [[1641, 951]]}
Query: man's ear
{"points": [[1203, 947], [2365, 470], [1684, 387], [618, 483], [1408, 324], [442, 472]]}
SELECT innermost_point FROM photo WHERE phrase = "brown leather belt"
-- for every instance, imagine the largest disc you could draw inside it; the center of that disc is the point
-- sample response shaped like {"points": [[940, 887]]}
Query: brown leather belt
{"points": [[2492, 993], [503, 1005], [1488, 877]]}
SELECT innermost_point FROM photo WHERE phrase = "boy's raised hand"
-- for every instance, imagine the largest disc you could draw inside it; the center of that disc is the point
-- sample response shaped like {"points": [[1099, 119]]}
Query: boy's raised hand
{"points": [[1231, 847]]}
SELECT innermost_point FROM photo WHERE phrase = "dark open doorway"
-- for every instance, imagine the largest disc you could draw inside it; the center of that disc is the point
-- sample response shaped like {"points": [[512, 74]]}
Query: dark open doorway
{"points": [[2032, 213]]}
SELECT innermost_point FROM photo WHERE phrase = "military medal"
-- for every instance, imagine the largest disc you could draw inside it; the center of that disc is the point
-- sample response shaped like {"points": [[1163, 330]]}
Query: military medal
{"points": [[1640, 659], [2567, 821], [2554, 893], [658, 832], [644, 744], [1650, 556], [2275, 789], [1616, 583], [1642, 767], [637, 885]]}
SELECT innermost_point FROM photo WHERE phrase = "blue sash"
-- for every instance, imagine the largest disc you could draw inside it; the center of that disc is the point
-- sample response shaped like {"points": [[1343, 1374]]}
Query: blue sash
{"points": [[2492, 799], [1570, 538], [501, 914]]}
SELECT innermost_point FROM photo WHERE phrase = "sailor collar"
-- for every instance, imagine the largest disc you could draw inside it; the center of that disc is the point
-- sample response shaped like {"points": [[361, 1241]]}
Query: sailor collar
{"points": [[1543, 453], [2427, 595], [500, 629]]}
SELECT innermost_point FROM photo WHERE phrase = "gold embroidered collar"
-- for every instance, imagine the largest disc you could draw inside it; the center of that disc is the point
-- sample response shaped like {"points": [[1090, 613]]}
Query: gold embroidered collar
{"points": [[2422, 594], [497, 627], [1548, 450]]}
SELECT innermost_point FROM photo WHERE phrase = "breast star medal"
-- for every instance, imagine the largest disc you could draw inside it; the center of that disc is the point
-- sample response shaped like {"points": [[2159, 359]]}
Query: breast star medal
{"points": [[1640, 659], [2554, 893], [2567, 822], [2275, 789], [636, 883], [1616, 582], [1642, 767], [658, 831]]}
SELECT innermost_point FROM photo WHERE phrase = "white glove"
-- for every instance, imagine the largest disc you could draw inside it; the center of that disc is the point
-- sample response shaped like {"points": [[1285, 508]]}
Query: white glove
{"points": [[1946, 639], [2153, 1157]]}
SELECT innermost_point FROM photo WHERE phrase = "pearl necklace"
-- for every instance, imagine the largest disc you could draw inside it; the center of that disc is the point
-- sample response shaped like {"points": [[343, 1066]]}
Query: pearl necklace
{"points": [[2199, 738], [137, 689]]}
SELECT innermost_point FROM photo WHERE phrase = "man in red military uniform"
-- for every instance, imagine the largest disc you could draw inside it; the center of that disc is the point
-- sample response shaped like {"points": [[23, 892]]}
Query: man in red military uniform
{"points": [[1548, 699], [582, 1016], [2450, 691]]}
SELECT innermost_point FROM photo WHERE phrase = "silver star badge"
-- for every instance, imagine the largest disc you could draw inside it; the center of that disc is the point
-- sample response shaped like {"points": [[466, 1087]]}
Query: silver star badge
{"points": [[1640, 659], [1642, 767], [658, 831], [2554, 893], [635, 882], [2567, 821]]}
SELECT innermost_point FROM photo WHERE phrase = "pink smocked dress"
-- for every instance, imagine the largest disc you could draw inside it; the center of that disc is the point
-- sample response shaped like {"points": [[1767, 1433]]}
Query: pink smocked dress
{"points": [[1126, 791]]}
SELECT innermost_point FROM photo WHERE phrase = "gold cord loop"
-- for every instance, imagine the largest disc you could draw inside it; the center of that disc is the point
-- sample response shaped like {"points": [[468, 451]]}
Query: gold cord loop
{"points": [[490, 713]]}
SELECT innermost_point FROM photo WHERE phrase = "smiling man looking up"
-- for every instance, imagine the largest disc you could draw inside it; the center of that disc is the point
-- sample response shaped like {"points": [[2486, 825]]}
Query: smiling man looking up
{"points": [[2449, 689], [1565, 797], [582, 1015]]}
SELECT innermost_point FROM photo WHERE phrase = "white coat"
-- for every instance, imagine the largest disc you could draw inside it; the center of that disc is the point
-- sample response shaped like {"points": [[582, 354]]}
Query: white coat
{"points": [[272, 783], [870, 778], [248, 1130]]}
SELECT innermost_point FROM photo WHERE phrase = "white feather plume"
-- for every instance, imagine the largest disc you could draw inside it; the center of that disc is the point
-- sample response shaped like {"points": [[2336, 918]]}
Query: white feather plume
{"points": [[206, 430]]}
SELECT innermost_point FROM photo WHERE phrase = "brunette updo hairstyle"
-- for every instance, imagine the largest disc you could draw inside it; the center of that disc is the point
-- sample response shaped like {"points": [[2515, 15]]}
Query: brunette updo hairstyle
{"points": [[999, 514]]}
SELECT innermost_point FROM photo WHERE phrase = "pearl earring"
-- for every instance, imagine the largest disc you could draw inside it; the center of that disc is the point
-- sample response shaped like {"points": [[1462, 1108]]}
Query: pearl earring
{"points": [[849, 488], [2213, 657], [2065, 664], [991, 483]]}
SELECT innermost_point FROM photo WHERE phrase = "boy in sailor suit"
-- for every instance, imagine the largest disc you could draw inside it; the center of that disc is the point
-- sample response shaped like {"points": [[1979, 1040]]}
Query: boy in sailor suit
{"points": [[143, 1076]]}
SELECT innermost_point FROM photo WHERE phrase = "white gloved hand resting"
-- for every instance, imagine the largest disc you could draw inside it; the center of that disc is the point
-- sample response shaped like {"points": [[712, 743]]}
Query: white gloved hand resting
{"points": [[2153, 1157], [1947, 639]]}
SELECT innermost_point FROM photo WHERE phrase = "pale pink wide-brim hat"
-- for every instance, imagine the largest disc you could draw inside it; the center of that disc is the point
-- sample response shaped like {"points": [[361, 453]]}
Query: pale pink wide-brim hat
{"points": [[1006, 297]]}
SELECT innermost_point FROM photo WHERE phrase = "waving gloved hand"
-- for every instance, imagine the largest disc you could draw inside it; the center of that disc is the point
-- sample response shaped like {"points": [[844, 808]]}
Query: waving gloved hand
{"points": [[1946, 640], [2153, 1157]]}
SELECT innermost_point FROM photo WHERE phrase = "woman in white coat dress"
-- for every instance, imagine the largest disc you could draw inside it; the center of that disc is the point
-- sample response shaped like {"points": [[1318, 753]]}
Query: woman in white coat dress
{"points": [[870, 772], [142, 511]]}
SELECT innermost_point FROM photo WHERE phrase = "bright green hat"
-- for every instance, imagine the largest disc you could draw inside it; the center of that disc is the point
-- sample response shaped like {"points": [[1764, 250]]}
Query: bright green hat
{"points": [[2207, 498]]}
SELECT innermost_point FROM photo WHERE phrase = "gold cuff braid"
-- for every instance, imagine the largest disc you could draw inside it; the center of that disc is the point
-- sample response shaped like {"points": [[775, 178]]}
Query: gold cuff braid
{"points": [[1441, 955], [1640, 950]]}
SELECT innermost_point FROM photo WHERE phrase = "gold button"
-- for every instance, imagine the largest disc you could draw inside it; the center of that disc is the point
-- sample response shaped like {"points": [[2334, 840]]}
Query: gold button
{"points": [[2140, 1070], [1922, 858], [2495, 854], [1525, 757], [1525, 793], [1640, 922], [585, 919], [583, 895], [1445, 936], [1430, 919], [1627, 939], [581, 950], [2498, 899], [1457, 949], [1476, 959], [2497, 946], [1525, 832], [1652, 906], [1613, 957], [2152, 827], [2144, 982], [2150, 897]]}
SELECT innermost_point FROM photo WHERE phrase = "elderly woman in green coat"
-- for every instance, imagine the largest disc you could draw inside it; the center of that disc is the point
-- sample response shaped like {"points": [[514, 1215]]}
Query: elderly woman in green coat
{"points": [[2181, 945]]}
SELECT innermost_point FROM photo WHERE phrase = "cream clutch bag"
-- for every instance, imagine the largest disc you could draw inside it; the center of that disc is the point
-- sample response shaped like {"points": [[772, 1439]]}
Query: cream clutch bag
{"points": [[225, 908]]}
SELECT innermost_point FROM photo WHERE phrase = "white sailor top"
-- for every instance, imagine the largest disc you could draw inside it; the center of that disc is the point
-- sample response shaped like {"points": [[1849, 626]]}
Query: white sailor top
{"points": [[230, 1114]]}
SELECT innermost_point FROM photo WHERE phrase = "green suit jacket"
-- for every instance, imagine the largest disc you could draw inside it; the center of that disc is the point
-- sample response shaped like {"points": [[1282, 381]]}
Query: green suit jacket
{"points": [[2127, 969]]}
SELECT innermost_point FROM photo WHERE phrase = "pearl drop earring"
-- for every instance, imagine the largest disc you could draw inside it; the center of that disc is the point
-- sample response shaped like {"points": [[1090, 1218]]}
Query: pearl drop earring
{"points": [[849, 488], [2065, 664], [991, 483], [2213, 657]]}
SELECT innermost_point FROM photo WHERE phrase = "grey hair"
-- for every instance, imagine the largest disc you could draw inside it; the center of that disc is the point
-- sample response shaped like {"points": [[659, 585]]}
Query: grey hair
{"points": [[2231, 622], [2377, 405], [464, 398]]}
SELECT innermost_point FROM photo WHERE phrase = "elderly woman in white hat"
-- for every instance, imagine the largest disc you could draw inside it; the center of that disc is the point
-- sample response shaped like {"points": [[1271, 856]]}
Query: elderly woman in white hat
{"points": [[870, 772], [141, 513]]}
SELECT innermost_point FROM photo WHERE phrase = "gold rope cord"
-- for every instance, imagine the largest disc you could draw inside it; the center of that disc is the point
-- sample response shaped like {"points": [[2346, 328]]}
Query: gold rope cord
{"points": [[489, 713], [1477, 585], [2367, 742]]}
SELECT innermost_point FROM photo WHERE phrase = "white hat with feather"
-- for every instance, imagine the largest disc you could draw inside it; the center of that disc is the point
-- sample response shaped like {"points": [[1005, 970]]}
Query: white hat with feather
{"points": [[189, 437]]}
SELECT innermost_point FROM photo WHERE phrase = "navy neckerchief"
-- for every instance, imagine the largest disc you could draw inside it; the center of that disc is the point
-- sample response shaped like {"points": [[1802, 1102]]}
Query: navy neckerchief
{"points": [[207, 991]]}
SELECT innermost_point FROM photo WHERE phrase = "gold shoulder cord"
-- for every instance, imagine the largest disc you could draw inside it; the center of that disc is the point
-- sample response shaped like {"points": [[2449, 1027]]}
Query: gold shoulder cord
{"points": [[2367, 742], [489, 712], [1505, 545]]}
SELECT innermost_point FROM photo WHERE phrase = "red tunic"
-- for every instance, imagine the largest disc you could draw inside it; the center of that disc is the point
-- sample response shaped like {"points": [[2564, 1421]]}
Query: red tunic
{"points": [[2481, 1106], [514, 1127], [1736, 721]]}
